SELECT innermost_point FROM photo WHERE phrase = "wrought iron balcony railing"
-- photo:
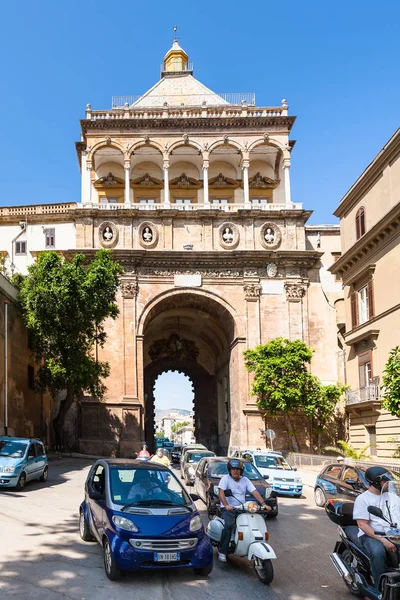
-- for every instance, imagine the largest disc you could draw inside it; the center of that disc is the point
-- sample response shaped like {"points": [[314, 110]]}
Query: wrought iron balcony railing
{"points": [[365, 394]]}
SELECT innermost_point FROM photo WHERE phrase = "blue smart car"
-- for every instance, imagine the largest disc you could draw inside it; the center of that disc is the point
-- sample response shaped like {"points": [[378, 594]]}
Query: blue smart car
{"points": [[21, 460], [143, 518]]}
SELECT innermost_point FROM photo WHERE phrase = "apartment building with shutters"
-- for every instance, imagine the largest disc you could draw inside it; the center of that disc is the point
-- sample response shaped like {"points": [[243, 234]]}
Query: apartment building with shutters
{"points": [[369, 267]]}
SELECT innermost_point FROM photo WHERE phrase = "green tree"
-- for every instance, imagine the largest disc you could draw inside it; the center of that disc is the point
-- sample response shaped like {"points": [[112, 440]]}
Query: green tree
{"points": [[391, 383], [65, 304], [283, 384], [349, 451], [180, 424]]}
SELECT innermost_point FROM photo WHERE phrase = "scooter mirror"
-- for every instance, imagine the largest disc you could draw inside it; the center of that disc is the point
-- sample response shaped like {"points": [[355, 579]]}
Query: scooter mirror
{"points": [[374, 510], [228, 493]]}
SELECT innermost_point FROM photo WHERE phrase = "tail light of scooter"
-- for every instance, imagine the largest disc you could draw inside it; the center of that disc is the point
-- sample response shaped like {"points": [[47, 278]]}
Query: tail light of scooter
{"points": [[240, 536], [266, 535]]}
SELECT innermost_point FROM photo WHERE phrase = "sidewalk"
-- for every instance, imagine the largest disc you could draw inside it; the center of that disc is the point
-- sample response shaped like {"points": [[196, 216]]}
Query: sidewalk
{"points": [[309, 475]]}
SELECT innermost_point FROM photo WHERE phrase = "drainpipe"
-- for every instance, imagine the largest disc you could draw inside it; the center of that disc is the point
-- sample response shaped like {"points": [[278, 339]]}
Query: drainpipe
{"points": [[23, 225], [5, 367]]}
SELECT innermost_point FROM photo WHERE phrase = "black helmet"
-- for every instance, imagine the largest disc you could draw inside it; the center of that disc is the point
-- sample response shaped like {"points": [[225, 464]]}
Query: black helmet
{"points": [[234, 463], [376, 475]]}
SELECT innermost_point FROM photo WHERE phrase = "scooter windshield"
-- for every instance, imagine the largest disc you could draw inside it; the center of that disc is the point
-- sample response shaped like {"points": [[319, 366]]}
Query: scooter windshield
{"points": [[390, 502]]}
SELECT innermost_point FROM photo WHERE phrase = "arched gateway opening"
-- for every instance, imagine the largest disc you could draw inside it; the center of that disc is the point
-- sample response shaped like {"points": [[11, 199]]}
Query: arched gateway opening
{"points": [[192, 333]]}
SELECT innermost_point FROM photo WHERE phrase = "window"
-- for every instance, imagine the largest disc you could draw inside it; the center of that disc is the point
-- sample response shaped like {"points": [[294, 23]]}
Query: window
{"points": [[99, 478], [50, 238], [350, 473], [20, 248], [333, 471], [109, 200], [360, 223], [31, 377], [362, 305], [365, 369], [31, 451], [39, 450]]}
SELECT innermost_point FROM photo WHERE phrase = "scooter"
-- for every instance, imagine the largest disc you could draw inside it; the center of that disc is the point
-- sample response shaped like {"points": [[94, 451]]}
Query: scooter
{"points": [[249, 538], [353, 563]]}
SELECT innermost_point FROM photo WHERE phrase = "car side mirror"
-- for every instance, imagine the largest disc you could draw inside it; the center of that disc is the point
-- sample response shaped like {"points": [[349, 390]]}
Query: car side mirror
{"points": [[31, 457], [95, 494], [266, 476], [352, 482], [194, 497], [294, 468]]}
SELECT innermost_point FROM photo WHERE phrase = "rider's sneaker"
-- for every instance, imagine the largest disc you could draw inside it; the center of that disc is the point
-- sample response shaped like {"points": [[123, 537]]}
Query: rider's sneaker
{"points": [[221, 557]]}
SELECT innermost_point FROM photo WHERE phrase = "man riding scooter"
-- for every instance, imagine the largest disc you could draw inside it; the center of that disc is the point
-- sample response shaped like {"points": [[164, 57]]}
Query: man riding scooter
{"points": [[375, 545], [239, 485]]}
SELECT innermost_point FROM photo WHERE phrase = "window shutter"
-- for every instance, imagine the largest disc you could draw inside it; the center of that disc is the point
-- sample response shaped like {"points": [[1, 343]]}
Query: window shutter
{"points": [[370, 293], [358, 234], [354, 309], [362, 222]]}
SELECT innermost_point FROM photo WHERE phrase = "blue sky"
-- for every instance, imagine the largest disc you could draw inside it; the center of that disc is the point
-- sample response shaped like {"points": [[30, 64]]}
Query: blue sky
{"points": [[336, 63], [173, 390]]}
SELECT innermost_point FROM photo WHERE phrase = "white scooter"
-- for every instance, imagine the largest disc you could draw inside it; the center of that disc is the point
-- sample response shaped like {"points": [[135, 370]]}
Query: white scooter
{"points": [[249, 538]]}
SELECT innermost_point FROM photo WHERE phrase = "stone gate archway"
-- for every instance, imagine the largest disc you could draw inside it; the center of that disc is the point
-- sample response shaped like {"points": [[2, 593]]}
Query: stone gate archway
{"points": [[192, 333]]}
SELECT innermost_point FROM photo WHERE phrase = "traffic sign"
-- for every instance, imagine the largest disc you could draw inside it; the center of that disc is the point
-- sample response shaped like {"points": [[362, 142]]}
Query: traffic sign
{"points": [[270, 434]]}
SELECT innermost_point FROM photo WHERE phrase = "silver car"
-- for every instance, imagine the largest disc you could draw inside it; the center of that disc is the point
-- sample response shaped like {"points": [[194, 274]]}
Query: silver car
{"points": [[190, 461]]}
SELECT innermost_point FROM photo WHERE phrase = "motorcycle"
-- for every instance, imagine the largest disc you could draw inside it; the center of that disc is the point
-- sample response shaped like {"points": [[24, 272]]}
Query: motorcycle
{"points": [[350, 558], [249, 538]]}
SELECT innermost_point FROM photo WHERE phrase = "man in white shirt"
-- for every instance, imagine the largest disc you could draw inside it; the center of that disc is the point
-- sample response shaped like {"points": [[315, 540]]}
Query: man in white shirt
{"points": [[374, 544], [238, 485]]}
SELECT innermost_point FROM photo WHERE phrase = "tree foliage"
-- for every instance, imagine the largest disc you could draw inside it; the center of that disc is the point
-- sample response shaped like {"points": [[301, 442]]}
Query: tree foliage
{"points": [[345, 449], [283, 384], [391, 383], [180, 424], [65, 304]]}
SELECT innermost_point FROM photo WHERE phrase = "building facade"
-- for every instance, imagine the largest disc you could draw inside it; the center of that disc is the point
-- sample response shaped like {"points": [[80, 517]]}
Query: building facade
{"points": [[369, 220], [191, 190]]}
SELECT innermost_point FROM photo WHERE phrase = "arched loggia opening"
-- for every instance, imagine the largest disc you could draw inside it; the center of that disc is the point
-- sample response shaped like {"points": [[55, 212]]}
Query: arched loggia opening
{"points": [[192, 334]]}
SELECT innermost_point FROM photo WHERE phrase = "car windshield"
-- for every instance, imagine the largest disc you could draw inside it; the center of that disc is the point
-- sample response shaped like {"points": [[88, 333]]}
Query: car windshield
{"points": [[219, 469], [272, 462], [195, 457], [13, 449], [146, 487]]}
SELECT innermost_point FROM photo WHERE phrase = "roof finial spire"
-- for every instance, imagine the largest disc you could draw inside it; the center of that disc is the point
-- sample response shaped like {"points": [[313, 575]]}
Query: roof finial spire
{"points": [[175, 30]]}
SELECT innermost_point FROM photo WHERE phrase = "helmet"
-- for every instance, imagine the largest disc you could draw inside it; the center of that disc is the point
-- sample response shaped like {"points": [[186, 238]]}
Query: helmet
{"points": [[376, 475], [234, 463]]}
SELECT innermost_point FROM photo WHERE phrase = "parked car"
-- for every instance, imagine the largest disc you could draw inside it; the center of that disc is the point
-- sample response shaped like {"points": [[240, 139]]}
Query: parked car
{"points": [[273, 466], [344, 482], [176, 452], [191, 447], [142, 516], [21, 460], [189, 464], [208, 475]]}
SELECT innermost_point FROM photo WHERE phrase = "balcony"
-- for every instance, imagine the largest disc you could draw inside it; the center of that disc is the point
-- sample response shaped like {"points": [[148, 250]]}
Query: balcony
{"points": [[194, 206], [232, 98], [362, 398]]}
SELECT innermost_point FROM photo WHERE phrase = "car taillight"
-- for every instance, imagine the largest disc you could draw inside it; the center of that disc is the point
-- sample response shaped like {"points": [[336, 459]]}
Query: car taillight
{"points": [[266, 536]]}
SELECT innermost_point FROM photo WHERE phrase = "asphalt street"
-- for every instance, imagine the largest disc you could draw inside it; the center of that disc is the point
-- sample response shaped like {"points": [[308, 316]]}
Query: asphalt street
{"points": [[44, 558]]}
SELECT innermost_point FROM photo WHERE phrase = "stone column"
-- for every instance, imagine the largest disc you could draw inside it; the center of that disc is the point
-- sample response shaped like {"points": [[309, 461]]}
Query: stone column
{"points": [[88, 194], [286, 173], [129, 290], [83, 179], [205, 183], [166, 184], [127, 200], [246, 165], [252, 292]]}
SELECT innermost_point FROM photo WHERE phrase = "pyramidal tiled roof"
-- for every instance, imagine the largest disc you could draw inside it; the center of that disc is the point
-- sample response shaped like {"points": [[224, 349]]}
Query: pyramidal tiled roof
{"points": [[178, 90]]}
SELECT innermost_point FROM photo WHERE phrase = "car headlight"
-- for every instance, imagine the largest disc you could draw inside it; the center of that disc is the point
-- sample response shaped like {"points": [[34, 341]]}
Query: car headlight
{"points": [[7, 469], [191, 471], [124, 523], [195, 523], [297, 479], [268, 492]]}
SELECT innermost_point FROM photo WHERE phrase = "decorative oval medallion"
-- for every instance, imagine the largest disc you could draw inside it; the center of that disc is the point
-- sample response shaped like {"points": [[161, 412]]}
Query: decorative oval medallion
{"points": [[148, 234], [271, 236], [228, 236], [108, 234]]}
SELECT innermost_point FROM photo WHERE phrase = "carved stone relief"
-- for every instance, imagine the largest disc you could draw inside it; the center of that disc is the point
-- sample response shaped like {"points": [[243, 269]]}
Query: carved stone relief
{"points": [[129, 288], [108, 234], [252, 291], [228, 236], [148, 234], [272, 270], [294, 291], [175, 347], [271, 236]]}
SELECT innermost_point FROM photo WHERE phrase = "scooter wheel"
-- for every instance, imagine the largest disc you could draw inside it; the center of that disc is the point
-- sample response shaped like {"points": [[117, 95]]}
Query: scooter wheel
{"points": [[347, 558], [264, 570]]}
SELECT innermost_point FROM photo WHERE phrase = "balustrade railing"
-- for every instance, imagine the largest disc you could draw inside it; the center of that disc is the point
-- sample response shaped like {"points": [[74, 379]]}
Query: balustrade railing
{"points": [[37, 209], [364, 394], [230, 208]]}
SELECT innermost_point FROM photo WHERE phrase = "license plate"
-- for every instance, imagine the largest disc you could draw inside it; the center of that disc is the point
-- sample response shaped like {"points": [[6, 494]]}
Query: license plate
{"points": [[285, 487], [166, 556]]}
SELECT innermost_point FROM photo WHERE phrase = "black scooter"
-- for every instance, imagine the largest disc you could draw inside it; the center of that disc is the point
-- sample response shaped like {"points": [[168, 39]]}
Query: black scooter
{"points": [[351, 560]]}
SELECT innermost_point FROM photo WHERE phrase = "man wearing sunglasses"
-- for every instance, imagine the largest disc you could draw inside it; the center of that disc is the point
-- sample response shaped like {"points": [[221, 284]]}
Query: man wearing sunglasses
{"points": [[239, 486]]}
